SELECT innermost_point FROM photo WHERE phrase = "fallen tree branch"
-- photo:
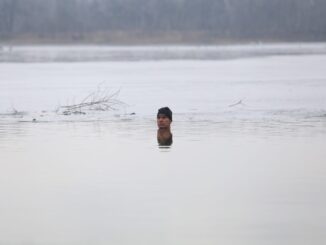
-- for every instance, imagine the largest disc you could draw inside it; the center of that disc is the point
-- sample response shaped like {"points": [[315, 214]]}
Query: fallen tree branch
{"points": [[100, 100]]}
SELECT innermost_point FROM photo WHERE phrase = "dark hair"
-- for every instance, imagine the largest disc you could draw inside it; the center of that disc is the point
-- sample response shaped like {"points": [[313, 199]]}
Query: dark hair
{"points": [[165, 111]]}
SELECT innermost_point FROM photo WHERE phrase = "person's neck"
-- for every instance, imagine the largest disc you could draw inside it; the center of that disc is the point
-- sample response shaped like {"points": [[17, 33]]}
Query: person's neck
{"points": [[164, 130]]}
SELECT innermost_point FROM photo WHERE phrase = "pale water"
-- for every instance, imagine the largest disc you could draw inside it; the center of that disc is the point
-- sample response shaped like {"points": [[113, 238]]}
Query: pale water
{"points": [[247, 165]]}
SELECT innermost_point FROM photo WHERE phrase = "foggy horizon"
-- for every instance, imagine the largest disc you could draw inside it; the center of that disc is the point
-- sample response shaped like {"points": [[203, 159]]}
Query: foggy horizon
{"points": [[161, 22]]}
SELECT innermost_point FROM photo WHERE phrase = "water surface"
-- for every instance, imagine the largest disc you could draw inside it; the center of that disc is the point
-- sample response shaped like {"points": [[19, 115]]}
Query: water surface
{"points": [[246, 165]]}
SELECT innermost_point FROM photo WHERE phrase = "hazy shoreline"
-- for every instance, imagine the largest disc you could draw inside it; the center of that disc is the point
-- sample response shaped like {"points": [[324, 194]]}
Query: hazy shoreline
{"points": [[81, 53], [144, 39]]}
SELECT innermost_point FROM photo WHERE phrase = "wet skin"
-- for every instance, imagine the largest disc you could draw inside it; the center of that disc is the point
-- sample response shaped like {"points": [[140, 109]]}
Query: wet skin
{"points": [[163, 122]]}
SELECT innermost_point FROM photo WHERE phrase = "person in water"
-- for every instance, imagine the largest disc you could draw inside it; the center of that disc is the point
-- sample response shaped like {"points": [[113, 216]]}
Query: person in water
{"points": [[164, 120]]}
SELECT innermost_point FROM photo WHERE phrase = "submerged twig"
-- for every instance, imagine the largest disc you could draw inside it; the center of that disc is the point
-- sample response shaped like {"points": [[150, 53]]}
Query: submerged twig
{"points": [[238, 103]]}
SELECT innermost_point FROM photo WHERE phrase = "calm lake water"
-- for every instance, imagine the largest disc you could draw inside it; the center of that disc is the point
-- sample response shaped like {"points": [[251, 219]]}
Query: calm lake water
{"points": [[247, 164]]}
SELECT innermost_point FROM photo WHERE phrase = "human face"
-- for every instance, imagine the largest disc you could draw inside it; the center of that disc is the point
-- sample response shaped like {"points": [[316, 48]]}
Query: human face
{"points": [[163, 121]]}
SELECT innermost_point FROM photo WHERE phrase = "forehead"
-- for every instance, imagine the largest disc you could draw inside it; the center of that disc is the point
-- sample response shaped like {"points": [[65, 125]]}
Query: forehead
{"points": [[162, 116]]}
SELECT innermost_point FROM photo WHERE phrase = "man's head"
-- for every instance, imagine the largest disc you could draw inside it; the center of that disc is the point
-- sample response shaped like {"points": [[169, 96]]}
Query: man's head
{"points": [[164, 117]]}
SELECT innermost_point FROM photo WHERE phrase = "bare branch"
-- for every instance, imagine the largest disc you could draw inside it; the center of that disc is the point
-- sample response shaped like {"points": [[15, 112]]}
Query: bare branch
{"points": [[99, 100]]}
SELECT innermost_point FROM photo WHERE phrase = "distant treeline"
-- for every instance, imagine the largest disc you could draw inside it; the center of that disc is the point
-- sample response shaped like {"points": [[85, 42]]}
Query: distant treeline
{"points": [[162, 20]]}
